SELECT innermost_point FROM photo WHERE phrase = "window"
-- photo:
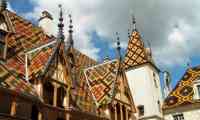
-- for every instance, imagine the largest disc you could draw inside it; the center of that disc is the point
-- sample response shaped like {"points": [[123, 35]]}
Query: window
{"points": [[159, 106], [3, 25], [154, 79], [178, 117], [198, 90], [141, 110]]}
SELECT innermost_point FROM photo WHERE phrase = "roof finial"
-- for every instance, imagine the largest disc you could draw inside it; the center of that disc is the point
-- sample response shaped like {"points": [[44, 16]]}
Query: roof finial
{"points": [[118, 46], [134, 22], [129, 34], [61, 25], [3, 5], [71, 42]]}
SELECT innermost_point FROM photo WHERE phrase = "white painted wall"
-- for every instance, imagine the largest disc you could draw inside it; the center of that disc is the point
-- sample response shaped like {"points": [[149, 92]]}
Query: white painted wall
{"points": [[143, 89], [47, 25], [188, 115]]}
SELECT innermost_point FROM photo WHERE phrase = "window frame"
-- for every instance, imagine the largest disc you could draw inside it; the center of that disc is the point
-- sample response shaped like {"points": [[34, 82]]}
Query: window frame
{"points": [[196, 89], [178, 116]]}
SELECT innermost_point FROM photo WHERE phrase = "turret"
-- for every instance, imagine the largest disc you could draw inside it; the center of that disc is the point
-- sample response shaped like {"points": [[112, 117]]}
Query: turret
{"points": [[3, 5], [46, 23], [167, 83]]}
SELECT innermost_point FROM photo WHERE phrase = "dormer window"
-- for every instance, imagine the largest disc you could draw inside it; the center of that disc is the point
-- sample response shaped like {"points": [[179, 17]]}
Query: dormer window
{"points": [[3, 25], [197, 88], [2, 45]]}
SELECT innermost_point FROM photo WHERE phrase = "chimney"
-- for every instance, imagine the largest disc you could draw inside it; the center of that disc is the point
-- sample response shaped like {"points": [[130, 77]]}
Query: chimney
{"points": [[46, 23], [167, 83], [3, 5]]}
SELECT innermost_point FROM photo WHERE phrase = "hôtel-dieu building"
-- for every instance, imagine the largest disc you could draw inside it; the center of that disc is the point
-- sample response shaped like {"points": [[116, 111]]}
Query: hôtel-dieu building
{"points": [[44, 77]]}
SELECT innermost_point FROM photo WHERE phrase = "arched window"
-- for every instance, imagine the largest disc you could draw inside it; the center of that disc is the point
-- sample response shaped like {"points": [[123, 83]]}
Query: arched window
{"points": [[48, 91]]}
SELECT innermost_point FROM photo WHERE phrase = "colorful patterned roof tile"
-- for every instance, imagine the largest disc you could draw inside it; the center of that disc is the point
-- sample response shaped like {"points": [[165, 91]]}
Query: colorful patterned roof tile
{"points": [[183, 93], [25, 37], [10, 80], [81, 93], [101, 80], [136, 53]]}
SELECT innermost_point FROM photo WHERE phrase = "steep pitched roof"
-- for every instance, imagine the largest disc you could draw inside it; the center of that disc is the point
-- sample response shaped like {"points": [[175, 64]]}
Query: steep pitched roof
{"points": [[107, 82], [101, 80], [10, 80], [81, 94], [23, 37], [135, 53], [183, 93]]}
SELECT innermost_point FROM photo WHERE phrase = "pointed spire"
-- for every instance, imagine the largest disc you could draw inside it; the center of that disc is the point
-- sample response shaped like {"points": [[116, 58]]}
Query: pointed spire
{"points": [[129, 34], [71, 41], [118, 46], [3, 5], [61, 25], [133, 23]]}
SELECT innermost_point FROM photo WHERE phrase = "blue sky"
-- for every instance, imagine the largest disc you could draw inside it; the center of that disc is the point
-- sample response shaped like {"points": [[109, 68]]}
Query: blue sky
{"points": [[171, 55]]}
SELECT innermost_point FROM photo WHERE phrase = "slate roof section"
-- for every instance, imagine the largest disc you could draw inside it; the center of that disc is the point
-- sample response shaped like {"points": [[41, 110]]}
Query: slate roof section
{"points": [[183, 92]]}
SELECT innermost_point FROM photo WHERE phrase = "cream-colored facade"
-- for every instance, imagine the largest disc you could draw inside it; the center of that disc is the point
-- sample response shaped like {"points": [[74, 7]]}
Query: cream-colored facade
{"points": [[189, 112], [145, 86]]}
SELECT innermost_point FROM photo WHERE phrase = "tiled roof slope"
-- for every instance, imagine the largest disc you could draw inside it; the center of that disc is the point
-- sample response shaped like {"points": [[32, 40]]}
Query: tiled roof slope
{"points": [[101, 81], [25, 37], [10, 80], [135, 53], [81, 94], [183, 93]]}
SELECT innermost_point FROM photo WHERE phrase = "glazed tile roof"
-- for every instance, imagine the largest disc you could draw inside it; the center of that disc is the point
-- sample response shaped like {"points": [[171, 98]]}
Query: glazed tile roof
{"points": [[25, 37], [101, 80], [81, 93], [183, 93], [135, 54], [10, 80]]}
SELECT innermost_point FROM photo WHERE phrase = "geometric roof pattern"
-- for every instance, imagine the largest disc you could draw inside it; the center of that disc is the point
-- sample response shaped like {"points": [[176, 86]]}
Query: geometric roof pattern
{"points": [[81, 94], [135, 53], [11, 81], [24, 37], [183, 92], [101, 80]]}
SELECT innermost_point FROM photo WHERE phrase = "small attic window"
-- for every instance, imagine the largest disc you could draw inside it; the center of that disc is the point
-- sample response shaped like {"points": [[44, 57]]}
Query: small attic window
{"points": [[141, 110], [3, 25], [196, 88], [2, 44]]}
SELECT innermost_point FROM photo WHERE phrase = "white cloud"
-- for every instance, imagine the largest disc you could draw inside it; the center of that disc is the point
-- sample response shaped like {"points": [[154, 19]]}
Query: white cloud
{"points": [[176, 50], [155, 21]]}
